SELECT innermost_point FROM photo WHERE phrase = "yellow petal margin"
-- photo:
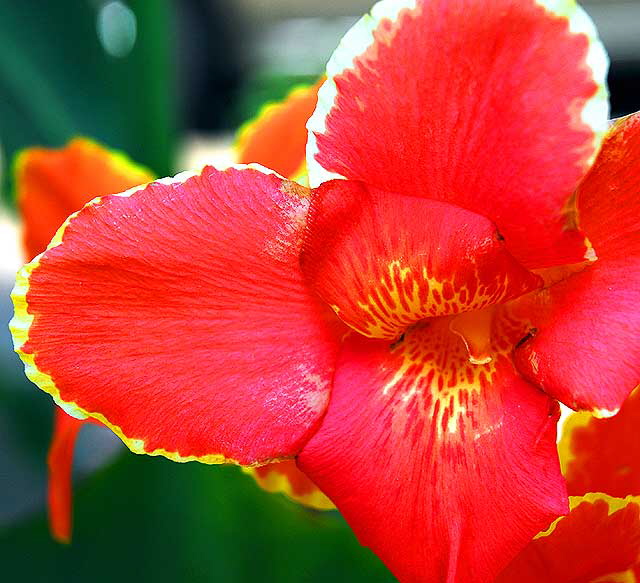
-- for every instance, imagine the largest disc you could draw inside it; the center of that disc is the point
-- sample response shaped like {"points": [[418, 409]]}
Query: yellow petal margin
{"points": [[21, 324], [280, 478], [614, 504]]}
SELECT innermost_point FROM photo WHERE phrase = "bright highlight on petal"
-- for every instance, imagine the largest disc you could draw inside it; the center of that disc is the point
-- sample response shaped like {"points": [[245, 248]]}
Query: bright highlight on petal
{"points": [[384, 261], [52, 184], [177, 315], [426, 454], [411, 107], [285, 477], [598, 541]]}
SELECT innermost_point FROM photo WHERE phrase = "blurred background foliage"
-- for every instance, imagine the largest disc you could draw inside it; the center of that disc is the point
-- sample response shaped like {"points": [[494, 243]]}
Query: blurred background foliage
{"points": [[101, 69], [151, 78]]}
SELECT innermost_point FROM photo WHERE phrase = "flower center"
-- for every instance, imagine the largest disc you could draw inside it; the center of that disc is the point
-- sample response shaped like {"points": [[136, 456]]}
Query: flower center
{"points": [[384, 261]]}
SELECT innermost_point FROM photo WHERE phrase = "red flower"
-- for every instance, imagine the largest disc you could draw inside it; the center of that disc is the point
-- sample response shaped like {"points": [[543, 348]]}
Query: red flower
{"points": [[379, 328]]}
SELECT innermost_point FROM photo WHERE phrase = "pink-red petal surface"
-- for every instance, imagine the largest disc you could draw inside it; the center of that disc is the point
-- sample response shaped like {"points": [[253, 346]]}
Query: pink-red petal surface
{"points": [[384, 261], [53, 183], [599, 540], [586, 351], [496, 106], [178, 316], [607, 201], [60, 462], [443, 468], [277, 138], [603, 455]]}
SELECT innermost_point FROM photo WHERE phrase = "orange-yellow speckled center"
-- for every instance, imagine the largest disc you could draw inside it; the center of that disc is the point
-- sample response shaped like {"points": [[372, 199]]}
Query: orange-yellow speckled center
{"points": [[435, 379], [403, 296]]}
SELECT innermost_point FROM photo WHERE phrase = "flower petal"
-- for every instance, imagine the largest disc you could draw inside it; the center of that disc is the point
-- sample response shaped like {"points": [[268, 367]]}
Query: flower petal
{"points": [[368, 254], [449, 99], [177, 315], [277, 138], [52, 184], [60, 462], [608, 202], [601, 455], [445, 469], [586, 350], [286, 478], [598, 539]]}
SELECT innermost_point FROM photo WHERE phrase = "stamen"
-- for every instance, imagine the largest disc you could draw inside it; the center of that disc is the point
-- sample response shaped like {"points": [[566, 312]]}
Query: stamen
{"points": [[475, 330]]}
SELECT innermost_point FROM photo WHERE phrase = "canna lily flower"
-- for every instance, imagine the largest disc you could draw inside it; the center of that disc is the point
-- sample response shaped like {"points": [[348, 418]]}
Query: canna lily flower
{"points": [[402, 330], [50, 185]]}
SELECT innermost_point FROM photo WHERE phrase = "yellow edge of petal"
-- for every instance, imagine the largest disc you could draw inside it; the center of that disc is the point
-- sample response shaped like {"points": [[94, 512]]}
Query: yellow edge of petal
{"points": [[619, 577], [604, 413], [17, 167], [246, 130], [574, 421], [301, 175], [119, 160], [277, 483], [22, 320], [614, 504]]}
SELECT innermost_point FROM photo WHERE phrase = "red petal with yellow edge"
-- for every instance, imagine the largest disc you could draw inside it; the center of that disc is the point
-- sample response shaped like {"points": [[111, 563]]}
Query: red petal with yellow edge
{"points": [[285, 477], [586, 351], [177, 315], [277, 138], [597, 541], [608, 202], [601, 455], [496, 106], [445, 469], [60, 461], [52, 184], [384, 261]]}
